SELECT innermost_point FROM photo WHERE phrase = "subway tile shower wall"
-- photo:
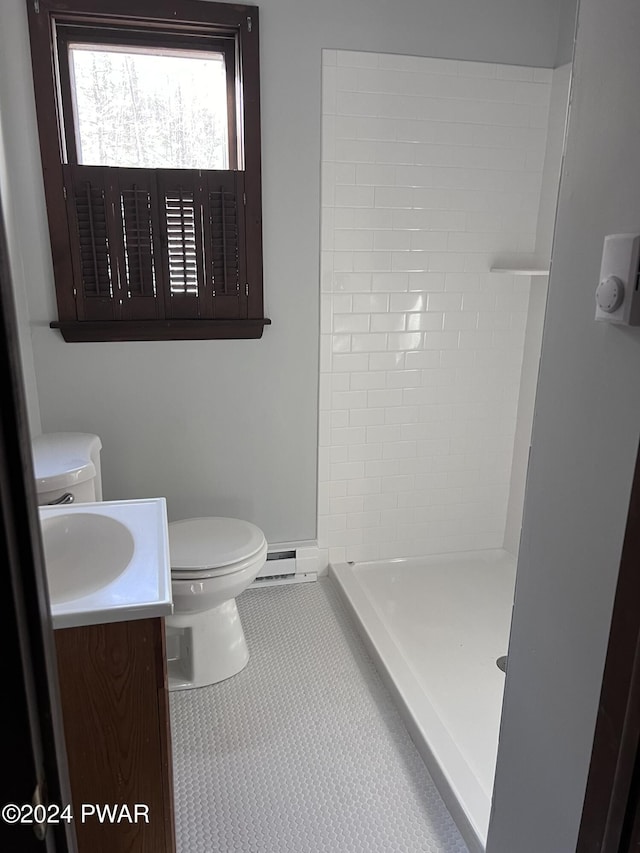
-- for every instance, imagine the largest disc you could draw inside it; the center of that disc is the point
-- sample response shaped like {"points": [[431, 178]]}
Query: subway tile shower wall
{"points": [[430, 170]]}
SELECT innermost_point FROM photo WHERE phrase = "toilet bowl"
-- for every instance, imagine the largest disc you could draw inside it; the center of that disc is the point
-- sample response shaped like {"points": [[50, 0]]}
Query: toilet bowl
{"points": [[212, 561]]}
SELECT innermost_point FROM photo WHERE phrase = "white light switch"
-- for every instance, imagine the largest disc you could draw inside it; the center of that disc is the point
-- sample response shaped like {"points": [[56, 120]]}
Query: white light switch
{"points": [[617, 295]]}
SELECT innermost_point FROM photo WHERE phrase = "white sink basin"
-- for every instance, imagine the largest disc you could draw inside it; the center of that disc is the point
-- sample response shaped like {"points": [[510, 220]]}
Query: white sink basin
{"points": [[106, 561], [83, 552]]}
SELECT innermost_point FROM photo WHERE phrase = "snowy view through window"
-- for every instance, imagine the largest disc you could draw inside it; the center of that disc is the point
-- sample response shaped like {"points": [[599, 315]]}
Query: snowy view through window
{"points": [[150, 109]]}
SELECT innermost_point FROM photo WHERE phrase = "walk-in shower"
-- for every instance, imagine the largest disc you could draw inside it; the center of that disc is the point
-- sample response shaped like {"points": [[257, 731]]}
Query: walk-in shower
{"points": [[439, 186]]}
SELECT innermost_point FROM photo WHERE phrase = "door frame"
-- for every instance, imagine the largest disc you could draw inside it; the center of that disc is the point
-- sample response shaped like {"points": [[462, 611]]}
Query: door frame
{"points": [[611, 795], [34, 750]]}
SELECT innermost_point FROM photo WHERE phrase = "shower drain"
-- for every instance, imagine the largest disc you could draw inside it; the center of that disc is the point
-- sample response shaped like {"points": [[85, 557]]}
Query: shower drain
{"points": [[502, 663]]}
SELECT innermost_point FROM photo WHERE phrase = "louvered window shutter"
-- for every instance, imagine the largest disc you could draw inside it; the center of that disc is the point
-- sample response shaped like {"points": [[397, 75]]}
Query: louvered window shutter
{"points": [[139, 250], [114, 236], [225, 244], [180, 202], [93, 237], [204, 243], [157, 244]]}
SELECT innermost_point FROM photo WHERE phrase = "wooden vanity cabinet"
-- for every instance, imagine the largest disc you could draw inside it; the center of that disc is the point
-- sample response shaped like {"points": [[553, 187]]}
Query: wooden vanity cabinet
{"points": [[113, 686]]}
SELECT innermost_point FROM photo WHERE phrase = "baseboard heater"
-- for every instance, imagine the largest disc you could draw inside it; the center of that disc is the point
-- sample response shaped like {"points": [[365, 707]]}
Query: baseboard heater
{"points": [[287, 565]]}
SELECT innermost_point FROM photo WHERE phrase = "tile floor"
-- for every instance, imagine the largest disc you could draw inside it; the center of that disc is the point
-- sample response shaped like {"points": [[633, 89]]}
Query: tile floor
{"points": [[303, 751]]}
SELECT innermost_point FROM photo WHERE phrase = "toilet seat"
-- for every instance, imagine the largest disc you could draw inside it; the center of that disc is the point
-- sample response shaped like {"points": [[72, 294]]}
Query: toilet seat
{"points": [[212, 547]]}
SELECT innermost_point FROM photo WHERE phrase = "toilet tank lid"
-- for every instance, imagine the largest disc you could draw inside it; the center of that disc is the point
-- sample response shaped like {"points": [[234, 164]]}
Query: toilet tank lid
{"points": [[63, 459], [211, 543]]}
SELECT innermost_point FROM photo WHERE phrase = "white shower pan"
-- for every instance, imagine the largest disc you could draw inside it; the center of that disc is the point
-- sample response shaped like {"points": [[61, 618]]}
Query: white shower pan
{"points": [[436, 626]]}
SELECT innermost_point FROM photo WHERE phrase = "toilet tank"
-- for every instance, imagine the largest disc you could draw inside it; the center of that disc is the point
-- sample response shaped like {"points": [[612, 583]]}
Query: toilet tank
{"points": [[67, 462]]}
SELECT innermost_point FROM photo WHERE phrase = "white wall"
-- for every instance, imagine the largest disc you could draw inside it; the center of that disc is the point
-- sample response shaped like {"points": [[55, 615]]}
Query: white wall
{"points": [[431, 170], [585, 441], [21, 267], [232, 426], [558, 106]]}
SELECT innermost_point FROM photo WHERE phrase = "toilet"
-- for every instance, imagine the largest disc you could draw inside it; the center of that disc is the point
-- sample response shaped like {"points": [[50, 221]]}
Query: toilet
{"points": [[212, 561]]}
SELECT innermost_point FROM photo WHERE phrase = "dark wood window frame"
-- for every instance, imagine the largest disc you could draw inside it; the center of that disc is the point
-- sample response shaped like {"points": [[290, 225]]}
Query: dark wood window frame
{"points": [[152, 254]]}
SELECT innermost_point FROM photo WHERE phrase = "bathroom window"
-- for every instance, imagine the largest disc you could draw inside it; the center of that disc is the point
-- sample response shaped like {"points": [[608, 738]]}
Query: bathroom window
{"points": [[145, 106], [150, 140]]}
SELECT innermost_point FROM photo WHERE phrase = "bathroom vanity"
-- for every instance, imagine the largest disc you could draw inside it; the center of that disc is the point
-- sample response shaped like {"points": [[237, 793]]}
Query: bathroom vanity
{"points": [[109, 581], [113, 687]]}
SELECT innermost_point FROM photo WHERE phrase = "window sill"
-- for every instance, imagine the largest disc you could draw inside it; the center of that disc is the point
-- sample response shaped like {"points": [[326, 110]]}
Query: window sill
{"points": [[160, 330]]}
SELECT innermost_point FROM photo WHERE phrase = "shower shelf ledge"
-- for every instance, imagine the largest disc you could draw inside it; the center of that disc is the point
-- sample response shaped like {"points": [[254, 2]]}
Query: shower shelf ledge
{"points": [[520, 270]]}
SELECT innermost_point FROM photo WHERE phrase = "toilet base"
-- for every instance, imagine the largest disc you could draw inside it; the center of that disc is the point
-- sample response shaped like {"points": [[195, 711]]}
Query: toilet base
{"points": [[204, 648]]}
